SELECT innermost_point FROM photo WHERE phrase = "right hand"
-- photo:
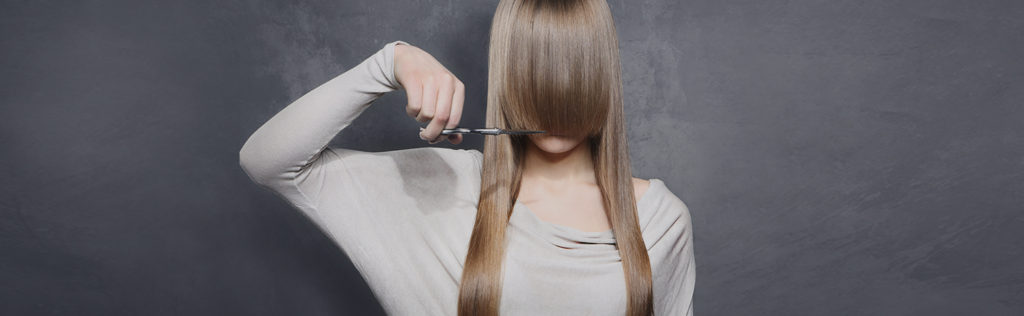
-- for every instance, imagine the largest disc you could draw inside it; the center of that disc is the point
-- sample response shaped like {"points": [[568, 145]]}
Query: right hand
{"points": [[434, 93]]}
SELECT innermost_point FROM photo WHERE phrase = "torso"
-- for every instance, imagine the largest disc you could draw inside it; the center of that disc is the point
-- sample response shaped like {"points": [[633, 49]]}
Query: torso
{"points": [[579, 207]]}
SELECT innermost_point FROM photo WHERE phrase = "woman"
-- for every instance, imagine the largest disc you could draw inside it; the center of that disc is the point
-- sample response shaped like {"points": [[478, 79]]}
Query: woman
{"points": [[543, 224]]}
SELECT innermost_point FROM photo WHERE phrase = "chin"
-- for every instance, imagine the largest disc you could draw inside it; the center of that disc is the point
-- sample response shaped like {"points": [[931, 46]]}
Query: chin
{"points": [[556, 144]]}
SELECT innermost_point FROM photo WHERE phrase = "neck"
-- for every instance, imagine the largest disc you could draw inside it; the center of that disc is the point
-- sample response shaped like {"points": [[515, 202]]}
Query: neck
{"points": [[573, 166]]}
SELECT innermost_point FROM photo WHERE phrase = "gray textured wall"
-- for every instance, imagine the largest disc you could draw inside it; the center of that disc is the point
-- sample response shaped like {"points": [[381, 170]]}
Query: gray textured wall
{"points": [[838, 158]]}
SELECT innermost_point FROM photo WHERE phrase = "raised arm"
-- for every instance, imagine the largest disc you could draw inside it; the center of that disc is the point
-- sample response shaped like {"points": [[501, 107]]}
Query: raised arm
{"points": [[289, 154], [290, 147], [294, 137], [401, 216]]}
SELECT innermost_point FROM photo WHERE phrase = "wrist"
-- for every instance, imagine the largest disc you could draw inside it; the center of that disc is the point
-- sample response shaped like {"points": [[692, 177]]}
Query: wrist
{"points": [[400, 50]]}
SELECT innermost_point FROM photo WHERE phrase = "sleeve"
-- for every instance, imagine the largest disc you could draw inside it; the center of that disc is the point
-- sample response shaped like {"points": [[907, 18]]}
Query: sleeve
{"points": [[289, 152], [401, 216], [675, 273]]}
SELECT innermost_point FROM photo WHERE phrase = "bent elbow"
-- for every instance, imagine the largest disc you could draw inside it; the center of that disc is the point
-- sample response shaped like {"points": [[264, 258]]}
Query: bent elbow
{"points": [[252, 164]]}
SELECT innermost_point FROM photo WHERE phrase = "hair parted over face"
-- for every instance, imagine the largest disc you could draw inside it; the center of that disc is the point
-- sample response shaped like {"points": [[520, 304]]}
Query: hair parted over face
{"points": [[556, 73], [553, 65]]}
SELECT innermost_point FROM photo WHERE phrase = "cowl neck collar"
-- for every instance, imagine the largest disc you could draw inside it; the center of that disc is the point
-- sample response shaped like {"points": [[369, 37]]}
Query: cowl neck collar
{"points": [[572, 238]]}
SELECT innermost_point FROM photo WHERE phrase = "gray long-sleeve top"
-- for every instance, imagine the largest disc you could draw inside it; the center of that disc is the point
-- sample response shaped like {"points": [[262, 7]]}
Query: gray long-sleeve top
{"points": [[404, 217]]}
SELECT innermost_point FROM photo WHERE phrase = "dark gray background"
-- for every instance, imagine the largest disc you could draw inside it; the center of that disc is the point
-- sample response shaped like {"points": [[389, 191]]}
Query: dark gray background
{"points": [[838, 158]]}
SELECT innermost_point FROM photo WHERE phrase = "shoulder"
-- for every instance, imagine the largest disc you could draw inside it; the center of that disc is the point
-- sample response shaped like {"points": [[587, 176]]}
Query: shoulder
{"points": [[662, 197], [475, 154], [640, 187], [669, 215]]}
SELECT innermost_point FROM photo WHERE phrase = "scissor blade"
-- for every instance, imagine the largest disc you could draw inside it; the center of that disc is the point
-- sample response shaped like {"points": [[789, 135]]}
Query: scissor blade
{"points": [[484, 131], [521, 132]]}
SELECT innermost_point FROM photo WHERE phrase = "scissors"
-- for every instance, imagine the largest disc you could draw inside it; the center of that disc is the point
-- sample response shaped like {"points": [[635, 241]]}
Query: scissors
{"points": [[485, 131]]}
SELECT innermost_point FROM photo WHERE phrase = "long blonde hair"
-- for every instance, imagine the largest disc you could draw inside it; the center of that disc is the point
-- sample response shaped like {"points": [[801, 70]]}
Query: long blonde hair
{"points": [[553, 66]]}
